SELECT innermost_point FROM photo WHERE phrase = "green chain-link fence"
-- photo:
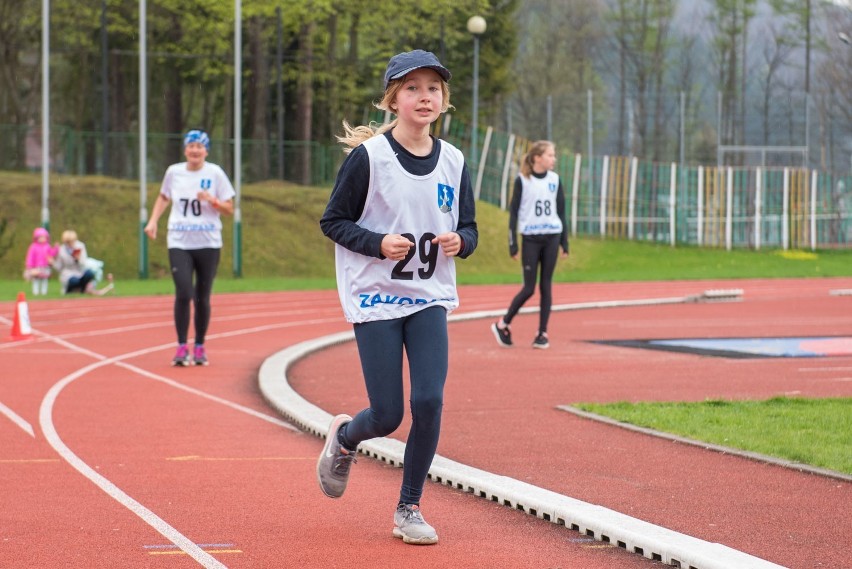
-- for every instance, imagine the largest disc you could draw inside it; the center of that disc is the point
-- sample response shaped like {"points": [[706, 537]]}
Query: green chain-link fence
{"points": [[607, 196]]}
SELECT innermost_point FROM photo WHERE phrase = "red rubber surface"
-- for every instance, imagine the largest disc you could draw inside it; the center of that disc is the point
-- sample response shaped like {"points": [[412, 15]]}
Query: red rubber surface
{"points": [[243, 486]]}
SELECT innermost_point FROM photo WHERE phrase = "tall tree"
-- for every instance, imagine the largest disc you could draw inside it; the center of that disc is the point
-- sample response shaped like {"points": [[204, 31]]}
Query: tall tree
{"points": [[776, 52], [19, 74], [555, 59], [640, 33], [800, 14], [258, 97], [730, 18]]}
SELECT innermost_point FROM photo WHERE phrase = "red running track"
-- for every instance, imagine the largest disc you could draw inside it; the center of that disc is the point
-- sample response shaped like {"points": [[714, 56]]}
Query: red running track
{"points": [[195, 457]]}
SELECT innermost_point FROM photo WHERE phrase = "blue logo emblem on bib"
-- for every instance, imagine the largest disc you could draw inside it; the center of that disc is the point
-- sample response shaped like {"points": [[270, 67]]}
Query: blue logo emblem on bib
{"points": [[446, 197], [206, 183]]}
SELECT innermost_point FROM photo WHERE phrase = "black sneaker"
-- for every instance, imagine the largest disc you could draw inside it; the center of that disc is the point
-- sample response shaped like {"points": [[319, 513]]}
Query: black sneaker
{"points": [[504, 336], [541, 342]]}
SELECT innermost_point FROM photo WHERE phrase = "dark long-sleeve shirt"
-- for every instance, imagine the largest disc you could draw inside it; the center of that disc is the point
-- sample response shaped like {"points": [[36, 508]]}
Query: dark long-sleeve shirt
{"points": [[349, 195]]}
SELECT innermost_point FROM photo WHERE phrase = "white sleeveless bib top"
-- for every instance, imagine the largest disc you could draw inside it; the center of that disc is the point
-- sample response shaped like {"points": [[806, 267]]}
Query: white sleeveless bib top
{"points": [[537, 214], [419, 207]]}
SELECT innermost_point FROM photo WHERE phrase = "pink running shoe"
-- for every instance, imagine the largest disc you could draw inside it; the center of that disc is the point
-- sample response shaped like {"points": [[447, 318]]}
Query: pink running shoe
{"points": [[181, 356], [199, 356]]}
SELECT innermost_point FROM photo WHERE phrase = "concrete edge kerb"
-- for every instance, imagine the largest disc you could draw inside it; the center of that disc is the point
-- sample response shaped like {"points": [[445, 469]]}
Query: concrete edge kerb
{"points": [[634, 535]]}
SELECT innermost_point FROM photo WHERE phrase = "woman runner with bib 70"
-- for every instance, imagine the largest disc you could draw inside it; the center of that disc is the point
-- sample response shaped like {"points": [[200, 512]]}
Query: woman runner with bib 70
{"points": [[199, 192]]}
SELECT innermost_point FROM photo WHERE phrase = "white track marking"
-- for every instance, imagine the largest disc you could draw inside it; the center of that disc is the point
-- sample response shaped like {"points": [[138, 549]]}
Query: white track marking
{"points": [[17, 419], [149, 517], [225, 402]]}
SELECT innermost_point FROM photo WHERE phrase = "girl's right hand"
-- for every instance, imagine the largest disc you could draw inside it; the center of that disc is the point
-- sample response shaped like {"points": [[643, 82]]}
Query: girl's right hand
{"points": [[151, 230], [395, 247]]}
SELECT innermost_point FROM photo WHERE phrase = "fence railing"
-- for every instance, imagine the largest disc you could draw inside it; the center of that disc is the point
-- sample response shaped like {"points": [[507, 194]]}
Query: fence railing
{"points": [[607, 196], [623, 197], [787, 208], [80, 153]]}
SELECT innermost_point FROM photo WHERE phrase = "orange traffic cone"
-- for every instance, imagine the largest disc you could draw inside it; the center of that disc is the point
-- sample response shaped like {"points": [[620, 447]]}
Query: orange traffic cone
{"points": [[21, 329]]}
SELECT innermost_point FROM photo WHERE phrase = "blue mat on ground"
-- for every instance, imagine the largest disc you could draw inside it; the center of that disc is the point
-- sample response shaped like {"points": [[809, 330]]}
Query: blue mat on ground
{"points": [[799, 347]]}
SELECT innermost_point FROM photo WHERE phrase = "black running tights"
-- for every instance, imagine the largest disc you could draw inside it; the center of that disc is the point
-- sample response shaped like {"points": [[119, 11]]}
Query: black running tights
{"points": [[202, 264], [380, 346], [536, 250]]}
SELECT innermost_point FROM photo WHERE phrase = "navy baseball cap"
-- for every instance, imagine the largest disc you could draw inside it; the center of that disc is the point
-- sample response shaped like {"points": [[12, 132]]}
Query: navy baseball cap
{"points": [[404, 63]]}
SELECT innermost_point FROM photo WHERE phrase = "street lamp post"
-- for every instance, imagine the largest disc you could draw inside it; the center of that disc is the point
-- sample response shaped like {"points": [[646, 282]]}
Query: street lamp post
{"points": [[476, 26], [844, 37]]}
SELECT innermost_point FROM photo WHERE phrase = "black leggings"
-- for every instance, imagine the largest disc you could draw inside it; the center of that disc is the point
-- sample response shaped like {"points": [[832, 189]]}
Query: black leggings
{"points": [[380, 346], [202, 262], [535, 250]]}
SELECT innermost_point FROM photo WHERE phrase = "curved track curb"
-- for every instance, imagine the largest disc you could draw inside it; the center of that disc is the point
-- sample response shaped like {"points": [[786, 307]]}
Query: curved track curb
{"points": [[651, 541]]}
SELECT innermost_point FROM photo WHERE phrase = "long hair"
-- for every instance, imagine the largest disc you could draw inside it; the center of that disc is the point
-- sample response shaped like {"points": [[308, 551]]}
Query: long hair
{"points": [[537, 148], [354, 135]]}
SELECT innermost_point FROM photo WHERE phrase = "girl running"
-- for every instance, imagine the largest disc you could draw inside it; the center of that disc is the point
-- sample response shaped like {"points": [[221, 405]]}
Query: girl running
{"points": [[538, 207], [401, 209]]}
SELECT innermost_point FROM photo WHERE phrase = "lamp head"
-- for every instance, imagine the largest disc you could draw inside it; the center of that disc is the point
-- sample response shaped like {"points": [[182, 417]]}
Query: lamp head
{"points": [[476, 25]]}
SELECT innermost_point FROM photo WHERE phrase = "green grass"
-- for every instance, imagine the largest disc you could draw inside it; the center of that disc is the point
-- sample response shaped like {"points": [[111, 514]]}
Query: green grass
{"points": [[284, 249], [809, 431]]}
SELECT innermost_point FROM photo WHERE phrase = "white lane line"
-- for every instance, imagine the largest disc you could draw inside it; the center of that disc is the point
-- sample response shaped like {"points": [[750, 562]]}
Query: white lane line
{"points": [[243, 315], [225, 402], [152, 519], [53, 438], [17, 419], [241, 331]]}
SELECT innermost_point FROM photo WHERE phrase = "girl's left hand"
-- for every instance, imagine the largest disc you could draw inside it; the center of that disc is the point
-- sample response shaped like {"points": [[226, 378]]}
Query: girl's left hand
{"points": [[450, 242]]}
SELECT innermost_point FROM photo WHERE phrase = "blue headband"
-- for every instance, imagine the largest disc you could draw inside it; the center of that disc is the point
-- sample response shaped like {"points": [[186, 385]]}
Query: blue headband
{"points": [[197, 136]]}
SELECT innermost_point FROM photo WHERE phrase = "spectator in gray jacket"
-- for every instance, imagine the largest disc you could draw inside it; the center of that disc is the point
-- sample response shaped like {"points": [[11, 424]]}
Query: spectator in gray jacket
{"points": [[77, 271]]}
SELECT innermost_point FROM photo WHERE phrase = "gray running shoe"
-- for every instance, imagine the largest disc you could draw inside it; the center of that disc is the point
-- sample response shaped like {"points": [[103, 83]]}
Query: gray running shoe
{"points": [[411, 527], [334, 461], [541, 342], [504, 336]]}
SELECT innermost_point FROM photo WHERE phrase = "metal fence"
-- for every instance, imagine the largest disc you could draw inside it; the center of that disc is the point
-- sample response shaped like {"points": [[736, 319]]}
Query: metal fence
{"points": [[606, 196], [712, 206], [80, 153]]}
